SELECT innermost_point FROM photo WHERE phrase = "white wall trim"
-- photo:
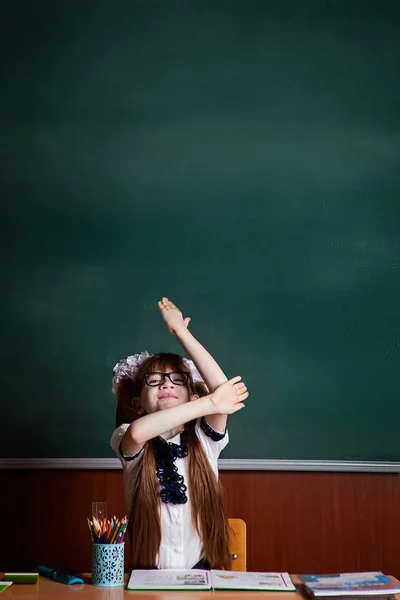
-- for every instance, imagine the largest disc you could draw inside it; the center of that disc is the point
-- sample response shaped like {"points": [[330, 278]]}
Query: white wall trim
{"points": [[228, 464]]}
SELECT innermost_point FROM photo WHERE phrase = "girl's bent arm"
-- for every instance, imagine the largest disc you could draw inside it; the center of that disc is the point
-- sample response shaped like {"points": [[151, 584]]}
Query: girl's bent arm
{"points": [[227, 399], [157, 423]]}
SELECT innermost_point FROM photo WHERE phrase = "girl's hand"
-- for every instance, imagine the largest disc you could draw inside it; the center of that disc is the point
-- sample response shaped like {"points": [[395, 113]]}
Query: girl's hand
{"points": [[172, 316], [228, 398]]}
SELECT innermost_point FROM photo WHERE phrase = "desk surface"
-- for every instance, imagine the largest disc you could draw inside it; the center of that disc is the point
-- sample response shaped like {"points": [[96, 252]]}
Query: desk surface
{"points": [[49, 590]]}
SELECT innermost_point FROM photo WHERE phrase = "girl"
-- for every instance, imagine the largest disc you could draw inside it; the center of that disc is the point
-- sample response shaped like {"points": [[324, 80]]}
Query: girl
{"points": [[170, 432]]}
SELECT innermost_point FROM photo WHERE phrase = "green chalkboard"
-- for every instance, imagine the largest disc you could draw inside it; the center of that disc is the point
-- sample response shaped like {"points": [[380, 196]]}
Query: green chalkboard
{"points": [[240, 157]]}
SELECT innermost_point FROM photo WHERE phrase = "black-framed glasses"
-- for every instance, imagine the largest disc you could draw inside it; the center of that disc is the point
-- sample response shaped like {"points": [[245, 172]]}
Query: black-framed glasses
{"points": [[176, 377]]}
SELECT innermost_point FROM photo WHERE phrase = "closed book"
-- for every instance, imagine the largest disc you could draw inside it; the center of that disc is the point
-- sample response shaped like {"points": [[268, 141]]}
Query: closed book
{"points": [[350, 585]]}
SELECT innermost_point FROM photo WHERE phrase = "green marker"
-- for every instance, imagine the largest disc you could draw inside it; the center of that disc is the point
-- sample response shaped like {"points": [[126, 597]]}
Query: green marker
{"points": [[22, 577]]}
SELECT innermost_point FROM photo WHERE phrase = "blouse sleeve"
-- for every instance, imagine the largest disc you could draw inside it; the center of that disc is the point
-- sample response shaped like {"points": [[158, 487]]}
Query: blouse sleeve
{"points": [[116, 445], [212, 441]]}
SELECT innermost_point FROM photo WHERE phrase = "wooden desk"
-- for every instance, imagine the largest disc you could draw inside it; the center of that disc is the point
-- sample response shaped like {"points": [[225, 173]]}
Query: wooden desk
{"points": [[47, 589]]}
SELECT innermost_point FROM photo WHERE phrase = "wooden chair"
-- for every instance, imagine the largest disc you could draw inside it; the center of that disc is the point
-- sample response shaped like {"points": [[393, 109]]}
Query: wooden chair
{"points": [[238, 532]]}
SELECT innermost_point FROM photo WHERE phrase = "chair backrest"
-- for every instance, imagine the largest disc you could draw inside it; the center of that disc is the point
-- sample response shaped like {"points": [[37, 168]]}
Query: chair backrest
{"points": [[238, 545]]}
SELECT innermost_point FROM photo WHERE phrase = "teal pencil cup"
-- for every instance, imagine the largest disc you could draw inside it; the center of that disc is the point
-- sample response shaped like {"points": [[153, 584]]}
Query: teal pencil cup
{"points": [[108, 564]]}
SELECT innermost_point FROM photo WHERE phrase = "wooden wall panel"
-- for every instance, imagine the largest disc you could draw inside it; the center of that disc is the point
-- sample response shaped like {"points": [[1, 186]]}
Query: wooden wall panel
{"points": [[299, 522], [321, 522]]}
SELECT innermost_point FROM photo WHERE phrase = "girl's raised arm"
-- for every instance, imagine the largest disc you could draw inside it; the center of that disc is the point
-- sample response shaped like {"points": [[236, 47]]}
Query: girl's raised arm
{"points": [[208, 368]]}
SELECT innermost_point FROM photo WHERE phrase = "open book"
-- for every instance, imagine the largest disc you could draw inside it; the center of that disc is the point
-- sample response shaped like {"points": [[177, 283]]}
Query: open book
{"points": [[359, 585], [198, 579]]}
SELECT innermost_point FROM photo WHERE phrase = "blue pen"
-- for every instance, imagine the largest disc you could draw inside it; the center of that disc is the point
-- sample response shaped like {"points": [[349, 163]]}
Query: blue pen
{"points": [[60, 576]]}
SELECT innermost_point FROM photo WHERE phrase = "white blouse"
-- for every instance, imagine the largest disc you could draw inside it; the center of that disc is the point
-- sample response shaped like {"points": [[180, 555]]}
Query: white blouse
{"points": [[181, 546]]}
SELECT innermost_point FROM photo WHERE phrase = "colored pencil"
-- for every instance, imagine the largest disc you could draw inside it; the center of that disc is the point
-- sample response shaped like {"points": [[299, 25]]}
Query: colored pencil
{"points": [[121, 535], [115, 526], [107, 531], [114, 536], [90, 529]]}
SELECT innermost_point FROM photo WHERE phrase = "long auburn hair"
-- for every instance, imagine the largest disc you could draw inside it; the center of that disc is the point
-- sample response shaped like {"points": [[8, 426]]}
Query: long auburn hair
{"points": [[144, 525]]}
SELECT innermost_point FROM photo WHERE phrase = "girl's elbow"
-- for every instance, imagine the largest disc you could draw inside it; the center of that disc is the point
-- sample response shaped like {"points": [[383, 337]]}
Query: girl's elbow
{"points": [[135, 435]]}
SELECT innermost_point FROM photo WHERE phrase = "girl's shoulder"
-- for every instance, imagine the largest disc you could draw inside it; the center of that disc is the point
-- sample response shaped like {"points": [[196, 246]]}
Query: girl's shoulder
{"points": [[212, 441], [116, 445], [117, 436]]}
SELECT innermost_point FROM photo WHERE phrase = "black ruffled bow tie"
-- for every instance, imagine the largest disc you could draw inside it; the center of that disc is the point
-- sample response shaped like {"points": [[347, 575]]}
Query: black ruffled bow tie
{"points": [[172, 484]]}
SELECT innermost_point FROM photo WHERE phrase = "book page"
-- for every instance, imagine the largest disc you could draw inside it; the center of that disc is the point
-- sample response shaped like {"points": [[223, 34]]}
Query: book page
{"points": [[247, 580], [169, 579]]}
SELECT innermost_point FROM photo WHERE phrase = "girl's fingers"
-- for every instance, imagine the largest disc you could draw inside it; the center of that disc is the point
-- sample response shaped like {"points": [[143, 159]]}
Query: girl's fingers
{"points": [[240, 388], [235, 379], [240, 385], [166, 304], [238, 407]]}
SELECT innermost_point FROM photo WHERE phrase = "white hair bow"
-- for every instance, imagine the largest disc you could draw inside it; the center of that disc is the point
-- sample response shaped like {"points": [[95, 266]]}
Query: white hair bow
{"points": [[127, 368]]}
